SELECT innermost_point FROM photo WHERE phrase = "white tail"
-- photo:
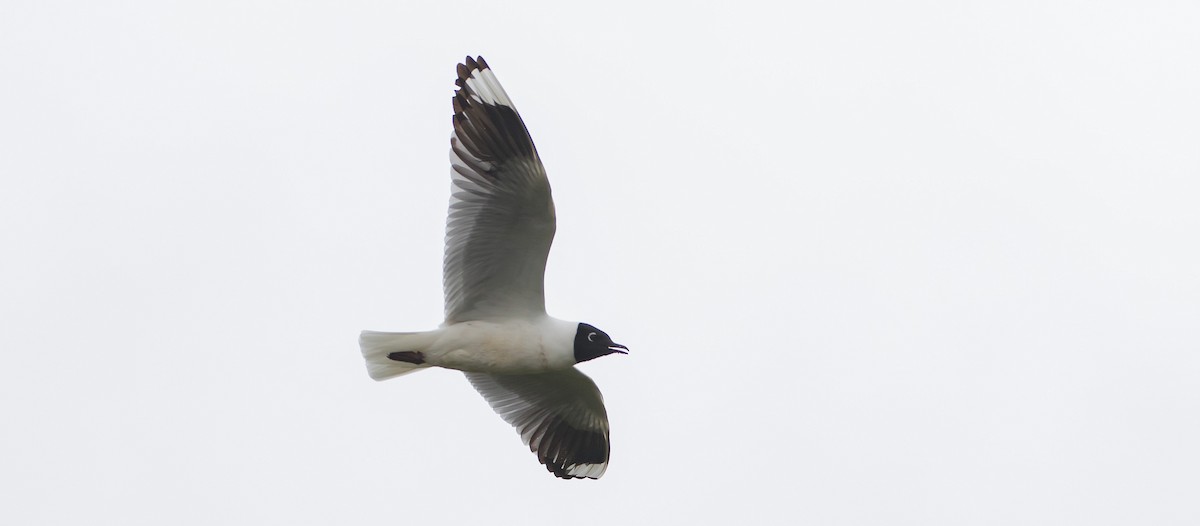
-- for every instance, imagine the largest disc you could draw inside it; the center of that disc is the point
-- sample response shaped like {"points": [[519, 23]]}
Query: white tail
{"points": [[376, 346]]}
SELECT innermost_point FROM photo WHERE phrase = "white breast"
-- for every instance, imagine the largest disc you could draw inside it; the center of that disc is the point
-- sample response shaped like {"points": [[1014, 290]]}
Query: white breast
{"points": [[507, 347]]}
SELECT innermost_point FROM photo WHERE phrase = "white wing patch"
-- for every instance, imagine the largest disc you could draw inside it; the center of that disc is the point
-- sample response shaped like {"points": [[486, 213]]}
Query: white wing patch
{"points": [[487, 89]]}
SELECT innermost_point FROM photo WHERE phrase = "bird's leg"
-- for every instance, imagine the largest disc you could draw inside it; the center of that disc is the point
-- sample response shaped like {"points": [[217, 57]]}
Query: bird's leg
{"points": [[415, 357]]}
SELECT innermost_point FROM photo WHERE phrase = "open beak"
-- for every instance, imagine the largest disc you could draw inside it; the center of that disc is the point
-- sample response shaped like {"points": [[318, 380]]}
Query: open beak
{"points": [[616, 347]]}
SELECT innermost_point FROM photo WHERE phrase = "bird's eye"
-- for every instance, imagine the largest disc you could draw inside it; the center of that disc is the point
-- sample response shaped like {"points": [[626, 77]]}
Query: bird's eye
{"points": [[591, 336]]}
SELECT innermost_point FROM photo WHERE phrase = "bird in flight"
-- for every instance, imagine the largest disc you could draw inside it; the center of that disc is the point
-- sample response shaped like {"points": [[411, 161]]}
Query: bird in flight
{"points": [[498, 234]]}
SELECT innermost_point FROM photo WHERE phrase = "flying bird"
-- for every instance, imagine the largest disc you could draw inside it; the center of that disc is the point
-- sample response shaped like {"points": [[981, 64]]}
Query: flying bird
{"points": [[498, 234]]}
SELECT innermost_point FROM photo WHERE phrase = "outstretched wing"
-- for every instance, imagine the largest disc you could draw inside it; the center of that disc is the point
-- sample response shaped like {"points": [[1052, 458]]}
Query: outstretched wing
{"points": [[560, 416], [501, 220]]}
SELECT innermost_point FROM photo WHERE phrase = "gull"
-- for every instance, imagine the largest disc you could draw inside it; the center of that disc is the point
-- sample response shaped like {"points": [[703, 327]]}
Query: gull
{"points": [[498, 234]]}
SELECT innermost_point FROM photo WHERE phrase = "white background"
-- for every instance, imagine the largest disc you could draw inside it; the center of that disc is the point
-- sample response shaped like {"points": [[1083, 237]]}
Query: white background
{"points": [[878, 263]]}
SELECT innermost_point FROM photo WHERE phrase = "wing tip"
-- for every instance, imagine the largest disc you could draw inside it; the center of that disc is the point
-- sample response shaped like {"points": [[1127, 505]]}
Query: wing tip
{"points": [[484, 116], [476, 62], [476, 78], [578, 471], [569, 451], [467, 68]]}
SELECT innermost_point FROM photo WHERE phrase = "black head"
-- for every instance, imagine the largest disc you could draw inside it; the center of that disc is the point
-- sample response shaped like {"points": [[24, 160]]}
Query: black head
{"points": [[591, 342]]}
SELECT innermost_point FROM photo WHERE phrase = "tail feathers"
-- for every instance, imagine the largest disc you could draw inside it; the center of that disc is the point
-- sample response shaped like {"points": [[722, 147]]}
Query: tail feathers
{"points": [[376, 346]]}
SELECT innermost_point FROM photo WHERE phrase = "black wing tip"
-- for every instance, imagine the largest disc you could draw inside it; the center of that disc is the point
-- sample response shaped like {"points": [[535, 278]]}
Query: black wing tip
{"points": [[469, 66], [490, 128], [561, 472], [562, 447], [466, 69]]}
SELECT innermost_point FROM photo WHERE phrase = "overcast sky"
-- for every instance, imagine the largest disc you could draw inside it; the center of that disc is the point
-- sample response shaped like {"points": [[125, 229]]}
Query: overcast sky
{"points": [[878, 263]]}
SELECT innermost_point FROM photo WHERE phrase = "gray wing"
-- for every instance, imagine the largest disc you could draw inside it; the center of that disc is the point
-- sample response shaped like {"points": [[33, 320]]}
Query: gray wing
{"points": [[560, 416], [501, 219]]}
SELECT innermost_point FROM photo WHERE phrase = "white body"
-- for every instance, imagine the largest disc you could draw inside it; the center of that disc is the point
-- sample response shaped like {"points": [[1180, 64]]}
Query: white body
{"points": [[505, 347], [520, 346]]}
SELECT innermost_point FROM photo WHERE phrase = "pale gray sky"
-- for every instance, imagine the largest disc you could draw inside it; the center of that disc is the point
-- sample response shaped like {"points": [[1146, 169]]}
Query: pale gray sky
{"points": [[877, 263]]}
